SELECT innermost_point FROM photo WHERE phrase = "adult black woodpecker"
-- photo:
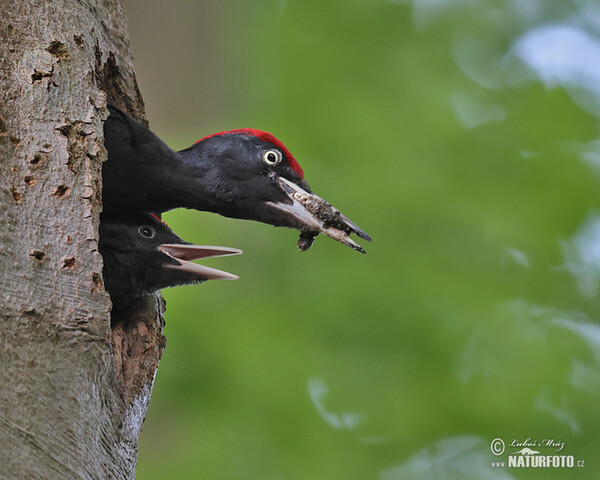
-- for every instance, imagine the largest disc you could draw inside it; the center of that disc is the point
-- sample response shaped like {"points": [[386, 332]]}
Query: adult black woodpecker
{"points": [[142, 255], [243, 173]]}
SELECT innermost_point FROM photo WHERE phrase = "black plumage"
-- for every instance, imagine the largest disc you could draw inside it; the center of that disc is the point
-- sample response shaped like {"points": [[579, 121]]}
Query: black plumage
{"points": [[243, 173], [142, 255]]}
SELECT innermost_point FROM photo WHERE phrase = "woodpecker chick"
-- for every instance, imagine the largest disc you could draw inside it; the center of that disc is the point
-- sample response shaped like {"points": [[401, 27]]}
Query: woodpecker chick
{"points": [[142, 255]]}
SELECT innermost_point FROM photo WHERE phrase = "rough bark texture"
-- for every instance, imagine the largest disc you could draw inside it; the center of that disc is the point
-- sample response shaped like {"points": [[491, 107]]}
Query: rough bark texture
{"points": [[73, 391]]}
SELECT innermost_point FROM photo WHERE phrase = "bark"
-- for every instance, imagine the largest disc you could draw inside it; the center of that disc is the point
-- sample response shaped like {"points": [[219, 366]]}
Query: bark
{"points": [[73, 390]]}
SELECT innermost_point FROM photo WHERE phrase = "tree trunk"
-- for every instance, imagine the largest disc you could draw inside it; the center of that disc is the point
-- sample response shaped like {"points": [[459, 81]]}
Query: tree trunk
{"points": [[73, 391]]}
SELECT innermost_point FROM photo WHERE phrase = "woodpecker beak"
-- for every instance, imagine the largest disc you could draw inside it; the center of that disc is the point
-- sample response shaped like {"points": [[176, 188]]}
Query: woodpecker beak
{"points": [[182, 254], [317, 216]]}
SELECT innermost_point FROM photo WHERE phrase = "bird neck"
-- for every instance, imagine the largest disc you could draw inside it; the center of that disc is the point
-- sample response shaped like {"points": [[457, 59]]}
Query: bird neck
{"points": [[195, 181]]}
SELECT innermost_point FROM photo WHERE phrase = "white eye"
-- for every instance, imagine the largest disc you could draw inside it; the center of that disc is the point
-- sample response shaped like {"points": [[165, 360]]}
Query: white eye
{"points": [[271, 157], [147, 232]]}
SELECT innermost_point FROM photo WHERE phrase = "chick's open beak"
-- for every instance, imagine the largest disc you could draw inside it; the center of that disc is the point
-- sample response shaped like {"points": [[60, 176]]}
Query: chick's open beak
{"points": [[183, 253]]}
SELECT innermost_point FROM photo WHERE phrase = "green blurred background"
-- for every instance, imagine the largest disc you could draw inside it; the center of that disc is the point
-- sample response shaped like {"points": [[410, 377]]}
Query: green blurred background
{"points": [[463, 136]]}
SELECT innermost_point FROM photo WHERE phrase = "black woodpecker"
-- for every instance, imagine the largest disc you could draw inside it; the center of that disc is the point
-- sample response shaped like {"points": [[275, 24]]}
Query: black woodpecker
{"points": [[142, 255], [242, 173]]}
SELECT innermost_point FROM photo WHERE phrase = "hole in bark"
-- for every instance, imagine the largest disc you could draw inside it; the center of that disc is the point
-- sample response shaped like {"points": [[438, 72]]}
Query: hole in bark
{"points": [[69, 263], [66, 129], [30, 181], [78, 40], [97, 281], [61, 191], [15, 140], [37, 75], [58, 49], [136, 324], [36, 160], [17, 197], [69, 239], [39, 255]]}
